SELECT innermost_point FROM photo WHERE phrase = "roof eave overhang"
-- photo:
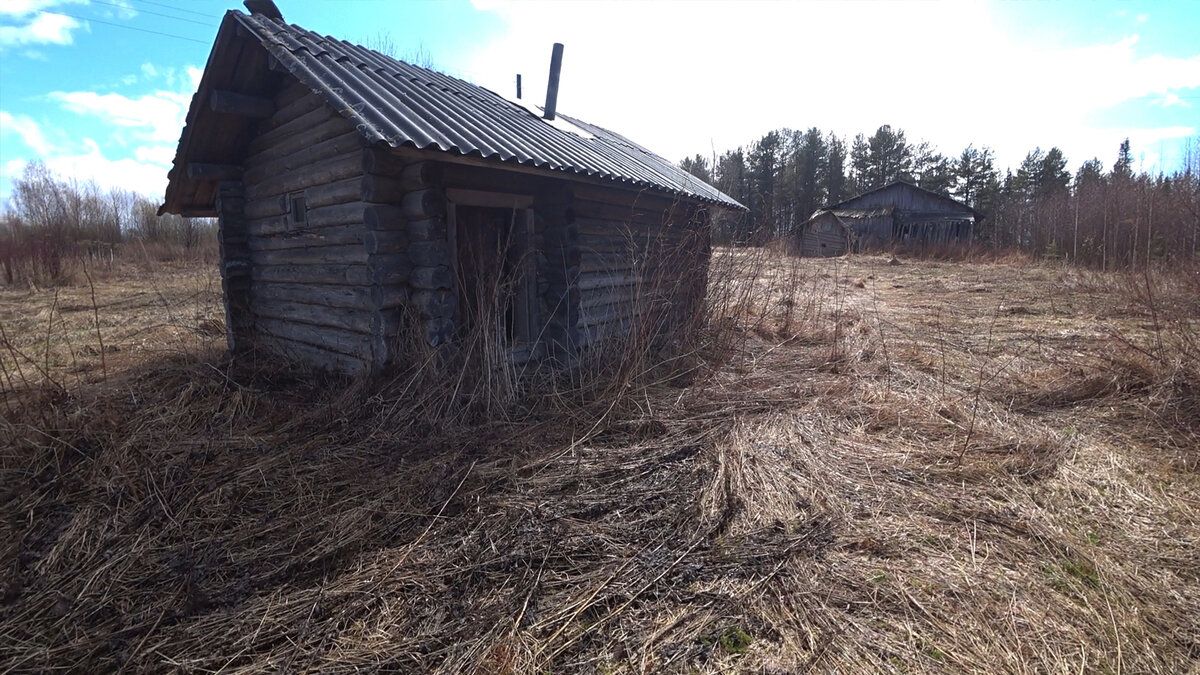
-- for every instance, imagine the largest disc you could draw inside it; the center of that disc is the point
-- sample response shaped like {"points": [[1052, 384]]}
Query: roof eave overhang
{"points": [[435, 154], [178, 182]]}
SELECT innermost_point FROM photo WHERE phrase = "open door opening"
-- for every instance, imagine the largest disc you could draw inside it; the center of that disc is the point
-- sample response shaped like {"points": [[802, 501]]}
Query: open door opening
{"points": [[493, 266]]}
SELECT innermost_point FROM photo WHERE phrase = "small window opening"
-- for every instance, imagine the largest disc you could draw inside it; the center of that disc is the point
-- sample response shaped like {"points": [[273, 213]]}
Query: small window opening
{"points": [[297, 211]]}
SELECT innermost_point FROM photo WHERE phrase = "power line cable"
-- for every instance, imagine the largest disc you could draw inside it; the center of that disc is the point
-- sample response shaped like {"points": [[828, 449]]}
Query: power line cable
{"points": [[173, 7], [119, 25], [146, 11]]}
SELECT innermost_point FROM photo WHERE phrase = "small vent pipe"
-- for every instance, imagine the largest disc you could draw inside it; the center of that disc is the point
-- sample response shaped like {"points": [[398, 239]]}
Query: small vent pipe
{"points": [[552, 86], [518, 86]]}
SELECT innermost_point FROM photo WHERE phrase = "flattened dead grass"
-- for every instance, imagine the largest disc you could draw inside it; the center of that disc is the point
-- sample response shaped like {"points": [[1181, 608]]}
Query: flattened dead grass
{"points": [[906, 475]]}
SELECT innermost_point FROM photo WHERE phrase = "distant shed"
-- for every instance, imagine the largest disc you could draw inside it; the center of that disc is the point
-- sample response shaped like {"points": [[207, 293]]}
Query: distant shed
{"points": [[902, 213], [824, 236], [361, 198]]}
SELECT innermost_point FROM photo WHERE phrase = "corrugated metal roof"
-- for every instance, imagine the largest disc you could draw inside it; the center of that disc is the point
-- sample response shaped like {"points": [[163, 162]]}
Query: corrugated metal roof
{"points": [[849, 204], [863, 213], [397, 104]]}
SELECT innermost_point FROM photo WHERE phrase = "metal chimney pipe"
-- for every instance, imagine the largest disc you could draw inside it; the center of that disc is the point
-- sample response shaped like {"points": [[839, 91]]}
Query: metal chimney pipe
{"points": [[518, 85], [552, 86]]}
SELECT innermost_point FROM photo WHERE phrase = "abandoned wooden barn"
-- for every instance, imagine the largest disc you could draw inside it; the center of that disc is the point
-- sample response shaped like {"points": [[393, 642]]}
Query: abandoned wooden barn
{"points": [[362, 199], [901, 213], [823, 236]]}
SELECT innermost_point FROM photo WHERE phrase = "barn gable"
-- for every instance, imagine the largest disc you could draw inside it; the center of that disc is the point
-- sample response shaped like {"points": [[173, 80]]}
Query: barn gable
{"points": [[824, 236], [361, 198]]}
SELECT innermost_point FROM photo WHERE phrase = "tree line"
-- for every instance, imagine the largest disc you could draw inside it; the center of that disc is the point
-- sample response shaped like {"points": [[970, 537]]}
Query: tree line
{"points": [[50, 223], [1107, 217]]}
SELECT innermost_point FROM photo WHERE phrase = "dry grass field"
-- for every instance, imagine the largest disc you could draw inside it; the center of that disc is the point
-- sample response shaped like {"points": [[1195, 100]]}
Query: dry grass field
{"points": [[865, 467]]}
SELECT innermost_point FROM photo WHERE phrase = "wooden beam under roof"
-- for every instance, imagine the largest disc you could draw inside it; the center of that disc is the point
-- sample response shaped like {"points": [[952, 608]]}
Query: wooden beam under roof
{"points": [[233, 103], [202, 171]]}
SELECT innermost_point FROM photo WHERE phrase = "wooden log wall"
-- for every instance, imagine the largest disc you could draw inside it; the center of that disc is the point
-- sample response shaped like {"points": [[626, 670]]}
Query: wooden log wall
{"points": [[641, 262], [235, 264], [556, 240], [312, 289], [373, 252], [407, 228]]}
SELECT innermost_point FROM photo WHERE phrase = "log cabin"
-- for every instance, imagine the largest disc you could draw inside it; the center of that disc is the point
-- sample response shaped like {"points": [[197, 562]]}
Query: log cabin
{"points": [[900, 213], [363, 200]]}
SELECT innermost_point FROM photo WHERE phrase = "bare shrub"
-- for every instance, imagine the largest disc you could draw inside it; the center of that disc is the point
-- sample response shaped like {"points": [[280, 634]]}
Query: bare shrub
{"points": [[36, 258], [58, 226]]}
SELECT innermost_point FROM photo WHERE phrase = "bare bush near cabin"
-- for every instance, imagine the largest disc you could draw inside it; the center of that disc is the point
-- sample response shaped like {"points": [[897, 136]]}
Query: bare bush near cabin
{"points": [[474, 377], [924, 467]]}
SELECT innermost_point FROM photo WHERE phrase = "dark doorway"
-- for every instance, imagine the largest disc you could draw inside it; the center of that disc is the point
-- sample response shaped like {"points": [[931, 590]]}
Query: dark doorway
{"points": [[492, 249]]}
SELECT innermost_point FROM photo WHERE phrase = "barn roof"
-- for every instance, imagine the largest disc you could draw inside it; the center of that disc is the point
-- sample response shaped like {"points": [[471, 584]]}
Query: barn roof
{"points": [[875, 212], [396, 104], [843, 207]]}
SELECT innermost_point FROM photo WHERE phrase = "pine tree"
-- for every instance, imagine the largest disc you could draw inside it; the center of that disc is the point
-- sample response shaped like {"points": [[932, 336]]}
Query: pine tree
{"points": [[1090, 174], [698, 167], [860, 164], [732, 178], [763, 169], [889, 157], [1124, 166], [1053, 178], [810, 165], [834, 179], [974, 173], [933, 170]]}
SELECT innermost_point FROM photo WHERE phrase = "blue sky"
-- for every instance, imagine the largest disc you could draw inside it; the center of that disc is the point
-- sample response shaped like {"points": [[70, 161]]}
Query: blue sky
{"points": [[98, 89]]}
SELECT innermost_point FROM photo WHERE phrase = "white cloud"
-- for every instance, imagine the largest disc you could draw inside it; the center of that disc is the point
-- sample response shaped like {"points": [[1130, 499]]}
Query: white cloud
{"points": [[45, 28], [121, 9], [27, 7], [660, 73], [155, 117], [161, 155], [108, 172], [1171, 98], [27, 129], [89, 162]]}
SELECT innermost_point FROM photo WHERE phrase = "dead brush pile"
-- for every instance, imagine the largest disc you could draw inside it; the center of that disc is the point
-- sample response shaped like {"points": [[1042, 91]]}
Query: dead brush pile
{"points": [[853, 478]]}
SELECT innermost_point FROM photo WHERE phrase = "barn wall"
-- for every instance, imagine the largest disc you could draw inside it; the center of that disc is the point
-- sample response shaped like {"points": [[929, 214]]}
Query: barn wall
{"points": [[870, 232], [934, 229], [916, 217], [235, 263], [309, 281], [823, 237], [558, 268]]}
